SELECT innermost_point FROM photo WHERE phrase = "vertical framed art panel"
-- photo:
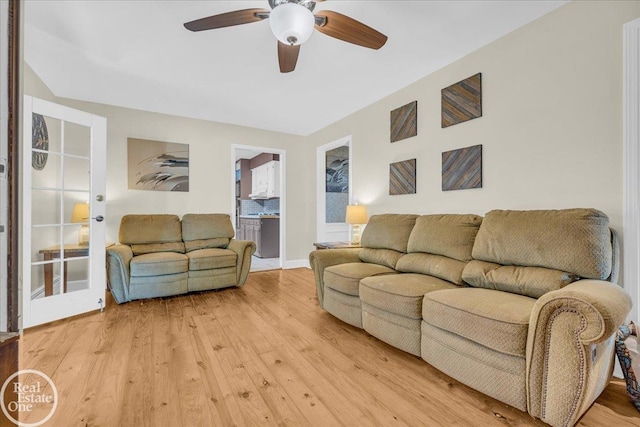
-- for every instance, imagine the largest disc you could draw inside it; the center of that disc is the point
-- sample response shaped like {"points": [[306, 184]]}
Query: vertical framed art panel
{"points": [[462, 101], [462, 168], [402, 177], [404, 122]]}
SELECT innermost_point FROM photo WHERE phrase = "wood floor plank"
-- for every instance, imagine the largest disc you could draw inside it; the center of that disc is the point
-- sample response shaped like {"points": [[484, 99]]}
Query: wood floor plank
{"points": [[400, 373], [248, 342], [338, 372], [261, 354], [239, 385]]}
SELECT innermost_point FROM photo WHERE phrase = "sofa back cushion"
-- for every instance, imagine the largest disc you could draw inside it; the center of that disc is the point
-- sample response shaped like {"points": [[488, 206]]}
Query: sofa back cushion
{"points": [[151, 233], [386, 257], [534, 252], [203, 231], [384, 240], [577, 241], [440, 246], [530, 281], [388, 231], [448, 235], [438, 266]]}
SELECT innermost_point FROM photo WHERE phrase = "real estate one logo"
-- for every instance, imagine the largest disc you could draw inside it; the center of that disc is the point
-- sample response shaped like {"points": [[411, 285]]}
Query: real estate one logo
{"points": [[32, 394]]}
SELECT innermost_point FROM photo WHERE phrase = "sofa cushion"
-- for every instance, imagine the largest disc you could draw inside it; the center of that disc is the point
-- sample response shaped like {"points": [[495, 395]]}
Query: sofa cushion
{"points": [[218, 242], [400, 294], [399, 331], [530, 281], [158, 264], [495, 319], [386, 257], [434, 265], [346, 277], [388, 231], [577, 241], [149, 248], [201, 231], [448, 235], [207, 259], [143, 229], [347, 308]]}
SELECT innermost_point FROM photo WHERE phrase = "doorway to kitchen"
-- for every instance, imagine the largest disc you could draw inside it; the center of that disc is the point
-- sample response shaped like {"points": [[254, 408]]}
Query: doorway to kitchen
{"points": [[259, 201]]}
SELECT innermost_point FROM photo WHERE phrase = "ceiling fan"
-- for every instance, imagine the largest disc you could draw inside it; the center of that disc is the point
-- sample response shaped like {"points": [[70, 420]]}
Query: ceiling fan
{"points": [[292, 22]]}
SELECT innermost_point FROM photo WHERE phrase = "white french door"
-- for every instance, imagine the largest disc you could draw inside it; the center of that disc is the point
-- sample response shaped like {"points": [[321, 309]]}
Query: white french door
{"points": [[334, 190], [63, 231]]}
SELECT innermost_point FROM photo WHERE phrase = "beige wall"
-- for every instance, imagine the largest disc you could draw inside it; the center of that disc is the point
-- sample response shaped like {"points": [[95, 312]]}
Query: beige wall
{"points": [[210, 169], [551, 133], [551, 130]]}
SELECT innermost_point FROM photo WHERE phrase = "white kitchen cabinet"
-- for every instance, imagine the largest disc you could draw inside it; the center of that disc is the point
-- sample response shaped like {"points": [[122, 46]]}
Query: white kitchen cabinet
{"points": [[265, 181]]}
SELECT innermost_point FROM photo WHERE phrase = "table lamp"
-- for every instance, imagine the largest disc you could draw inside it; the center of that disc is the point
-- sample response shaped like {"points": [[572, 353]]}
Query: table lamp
{"points": [[81, 215], [356, 215]]}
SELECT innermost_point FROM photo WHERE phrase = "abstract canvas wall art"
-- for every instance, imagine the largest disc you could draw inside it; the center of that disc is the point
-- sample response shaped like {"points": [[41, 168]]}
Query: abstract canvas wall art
{"points": [[337, 166], [404, 122], [402, 177], [337, 184], [462, 101], [462, 169], [157, 165]]}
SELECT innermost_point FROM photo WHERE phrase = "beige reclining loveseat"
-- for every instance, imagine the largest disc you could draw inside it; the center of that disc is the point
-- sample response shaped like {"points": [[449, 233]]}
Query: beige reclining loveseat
{"points": [[159, 255]]}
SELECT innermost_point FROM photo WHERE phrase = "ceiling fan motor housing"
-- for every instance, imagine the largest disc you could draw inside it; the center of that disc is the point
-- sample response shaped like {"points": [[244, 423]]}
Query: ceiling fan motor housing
{"points": [[292, 22]]}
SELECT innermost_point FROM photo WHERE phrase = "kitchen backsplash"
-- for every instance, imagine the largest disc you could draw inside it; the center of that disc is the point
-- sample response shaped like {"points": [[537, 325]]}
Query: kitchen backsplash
{"points": [[248, 207]]}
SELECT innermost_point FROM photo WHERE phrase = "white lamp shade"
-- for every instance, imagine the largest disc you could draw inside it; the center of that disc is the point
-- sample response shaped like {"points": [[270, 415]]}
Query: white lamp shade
{"points": [[291, 23], [356, 214]]}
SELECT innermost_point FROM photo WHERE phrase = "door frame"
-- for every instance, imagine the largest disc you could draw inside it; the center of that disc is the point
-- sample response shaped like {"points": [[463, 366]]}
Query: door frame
{"points": [[283, 191], [321, 215], [631, 192], [10, 117]]}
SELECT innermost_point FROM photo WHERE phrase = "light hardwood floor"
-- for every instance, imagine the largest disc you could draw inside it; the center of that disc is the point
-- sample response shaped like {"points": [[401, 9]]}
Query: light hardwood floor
{"points": [[262, 354]]}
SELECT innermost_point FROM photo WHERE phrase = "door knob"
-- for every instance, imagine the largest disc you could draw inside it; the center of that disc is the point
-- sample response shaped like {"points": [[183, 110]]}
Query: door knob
{"points": [[99, 218]]}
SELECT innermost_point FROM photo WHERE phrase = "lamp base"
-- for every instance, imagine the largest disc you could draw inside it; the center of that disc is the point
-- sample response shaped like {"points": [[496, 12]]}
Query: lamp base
{"points": [[355, 234], [83, 235]]}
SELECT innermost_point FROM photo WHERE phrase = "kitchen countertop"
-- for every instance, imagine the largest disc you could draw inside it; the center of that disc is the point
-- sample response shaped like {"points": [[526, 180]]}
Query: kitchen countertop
{"points": [[260, 216]]}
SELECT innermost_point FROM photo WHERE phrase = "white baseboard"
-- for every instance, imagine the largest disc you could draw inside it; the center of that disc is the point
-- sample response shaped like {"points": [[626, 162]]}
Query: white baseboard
{"points": [[617, 370], [298, 263]]}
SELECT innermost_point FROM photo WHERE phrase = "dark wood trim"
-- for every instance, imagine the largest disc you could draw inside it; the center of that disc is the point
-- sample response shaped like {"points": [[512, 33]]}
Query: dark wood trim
{"points": [[263, 158], [13, 163], [9, 352]]}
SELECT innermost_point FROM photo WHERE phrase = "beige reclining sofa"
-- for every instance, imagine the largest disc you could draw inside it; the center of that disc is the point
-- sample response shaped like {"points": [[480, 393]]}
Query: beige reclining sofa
{"points": [[520, 305], [159, 255]]}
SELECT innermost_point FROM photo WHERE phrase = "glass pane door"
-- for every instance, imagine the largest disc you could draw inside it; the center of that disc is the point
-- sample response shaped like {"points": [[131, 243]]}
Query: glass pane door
{"points": [[61, 188]]}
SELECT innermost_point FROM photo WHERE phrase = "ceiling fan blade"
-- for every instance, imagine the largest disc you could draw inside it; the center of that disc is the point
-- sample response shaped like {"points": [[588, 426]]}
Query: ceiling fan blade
{"points": [[287, 57], [228, 19], [349, 30]]}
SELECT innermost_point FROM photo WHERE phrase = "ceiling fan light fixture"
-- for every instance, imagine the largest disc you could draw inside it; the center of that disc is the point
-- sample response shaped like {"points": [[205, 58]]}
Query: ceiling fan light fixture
{"points": [[291, 23]]}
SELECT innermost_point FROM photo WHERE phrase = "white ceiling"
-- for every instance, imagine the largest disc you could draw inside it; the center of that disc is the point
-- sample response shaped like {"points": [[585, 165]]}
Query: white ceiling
{"points": [[137, 54]]}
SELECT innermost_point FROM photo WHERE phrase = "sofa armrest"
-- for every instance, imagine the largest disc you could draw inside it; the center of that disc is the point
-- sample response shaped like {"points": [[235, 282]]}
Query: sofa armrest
{"points": [[118, 260], [570, 348], [244, 249], [323, 258]]}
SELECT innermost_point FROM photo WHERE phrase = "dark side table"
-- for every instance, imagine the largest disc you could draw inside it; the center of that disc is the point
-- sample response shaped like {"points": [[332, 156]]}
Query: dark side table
{"points": [[53, 252], [335, 245]]}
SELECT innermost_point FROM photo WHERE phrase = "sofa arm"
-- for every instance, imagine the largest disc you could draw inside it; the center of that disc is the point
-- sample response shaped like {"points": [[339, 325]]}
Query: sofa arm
{"points": [[323, 258], [244, 249], [570, 348], [118, 260]]}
